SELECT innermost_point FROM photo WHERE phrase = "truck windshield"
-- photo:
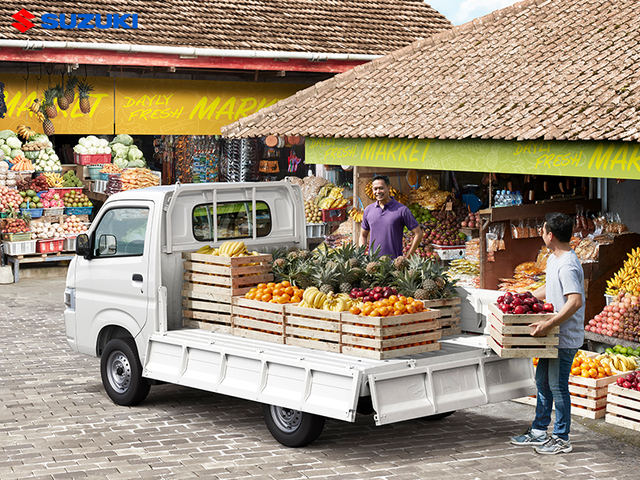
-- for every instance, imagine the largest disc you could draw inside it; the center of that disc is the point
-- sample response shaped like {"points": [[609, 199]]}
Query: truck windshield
{"points": [[234, 220], [121, 232]]}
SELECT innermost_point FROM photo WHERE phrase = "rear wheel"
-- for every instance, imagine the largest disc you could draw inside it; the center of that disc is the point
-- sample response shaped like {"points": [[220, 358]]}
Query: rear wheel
{"points": [[121, 372], [292, 428]]}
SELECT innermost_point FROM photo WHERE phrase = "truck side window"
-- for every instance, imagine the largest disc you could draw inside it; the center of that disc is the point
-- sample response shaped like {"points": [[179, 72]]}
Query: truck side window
{"points": [[121, 233], [234, 220]]}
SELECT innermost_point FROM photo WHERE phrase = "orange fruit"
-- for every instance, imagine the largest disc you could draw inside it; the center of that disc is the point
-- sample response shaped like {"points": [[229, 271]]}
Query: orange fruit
{"points": [[375, 313], [266, 297], [277, 291], [384, 311], [393, 298], [289, 290], [296, 299], [286, 283], [411, 309], [261, 286], [271, 284], [354, 309], [367, 309]]}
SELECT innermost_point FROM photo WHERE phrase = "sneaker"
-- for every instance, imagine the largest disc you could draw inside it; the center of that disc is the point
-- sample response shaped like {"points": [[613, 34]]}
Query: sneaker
{"points": [[555, 445], [528, 438]]}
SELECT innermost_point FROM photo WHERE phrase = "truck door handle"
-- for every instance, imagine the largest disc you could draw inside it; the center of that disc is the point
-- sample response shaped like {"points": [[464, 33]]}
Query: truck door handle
{"points": [[136, 277]]}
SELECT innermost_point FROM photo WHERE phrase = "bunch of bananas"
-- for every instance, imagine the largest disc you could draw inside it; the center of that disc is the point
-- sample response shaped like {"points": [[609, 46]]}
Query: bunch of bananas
{"points": [[628, 277], [35, 107], [368, 190], [356, 214], [25, 132], [332, 198], [54, 180], [618, 363], [228, 249], [314, 298]]}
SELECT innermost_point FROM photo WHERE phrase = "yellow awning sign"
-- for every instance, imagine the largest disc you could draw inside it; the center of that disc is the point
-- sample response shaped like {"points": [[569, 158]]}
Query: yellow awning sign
{"points": [[597, 159]]}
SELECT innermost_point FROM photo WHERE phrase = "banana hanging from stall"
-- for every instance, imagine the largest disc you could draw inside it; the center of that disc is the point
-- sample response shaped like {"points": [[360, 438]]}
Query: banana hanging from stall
{"points": [[356, 214]]}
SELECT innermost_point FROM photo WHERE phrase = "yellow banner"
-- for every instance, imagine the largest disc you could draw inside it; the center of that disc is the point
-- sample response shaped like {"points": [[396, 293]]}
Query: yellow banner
{"points": [[20, 93], [170, 107]]}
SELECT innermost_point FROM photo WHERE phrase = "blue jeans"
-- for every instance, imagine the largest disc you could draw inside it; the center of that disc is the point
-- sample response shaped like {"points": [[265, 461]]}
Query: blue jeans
{"points": [[552, 381]]}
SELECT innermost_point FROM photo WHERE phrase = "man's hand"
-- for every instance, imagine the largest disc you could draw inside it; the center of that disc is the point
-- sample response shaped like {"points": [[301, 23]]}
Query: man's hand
{"points": [[541, 328]]}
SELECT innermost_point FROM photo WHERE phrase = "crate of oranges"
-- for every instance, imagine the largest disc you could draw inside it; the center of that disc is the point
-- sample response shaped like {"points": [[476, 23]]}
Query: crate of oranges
{"points": [[260, 312], [390, 328], [588, 385]]}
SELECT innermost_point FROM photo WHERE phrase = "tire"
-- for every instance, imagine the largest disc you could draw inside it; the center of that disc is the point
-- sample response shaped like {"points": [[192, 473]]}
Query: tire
{"points": [[438, 416], [292, 428], [121, 372]]}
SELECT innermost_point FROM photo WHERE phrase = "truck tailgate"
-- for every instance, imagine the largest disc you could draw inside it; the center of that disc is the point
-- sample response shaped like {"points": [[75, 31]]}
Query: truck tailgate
{"points": [[462, 374]]}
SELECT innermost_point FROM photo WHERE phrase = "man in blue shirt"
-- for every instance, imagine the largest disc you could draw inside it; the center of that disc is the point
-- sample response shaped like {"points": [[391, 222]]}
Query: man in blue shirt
{"points": [[384, 222], [565, 290]]}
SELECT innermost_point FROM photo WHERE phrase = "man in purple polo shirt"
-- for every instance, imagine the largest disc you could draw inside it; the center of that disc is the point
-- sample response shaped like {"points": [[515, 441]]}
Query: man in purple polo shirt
{"points": [[385, 220]]}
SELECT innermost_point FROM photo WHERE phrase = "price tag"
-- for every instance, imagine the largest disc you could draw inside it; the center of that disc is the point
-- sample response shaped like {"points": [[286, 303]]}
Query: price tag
{"points": [[448, 206]]}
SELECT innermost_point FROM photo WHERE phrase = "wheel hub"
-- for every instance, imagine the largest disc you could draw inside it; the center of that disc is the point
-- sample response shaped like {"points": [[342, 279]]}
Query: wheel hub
{"points": [[119, 372], [286, 418]]}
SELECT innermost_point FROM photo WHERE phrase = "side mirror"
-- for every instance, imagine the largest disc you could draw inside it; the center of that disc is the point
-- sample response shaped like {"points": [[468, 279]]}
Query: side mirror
{"points": [[83, 246], [107, 246]]}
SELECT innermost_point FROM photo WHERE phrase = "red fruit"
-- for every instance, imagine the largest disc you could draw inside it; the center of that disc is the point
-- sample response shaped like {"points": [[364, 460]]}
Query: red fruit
{"points": [[620, 381], [626, 384], [548, 307], [368, 298], [519, 310], [377, 290], [536, 307], [516, 301]]}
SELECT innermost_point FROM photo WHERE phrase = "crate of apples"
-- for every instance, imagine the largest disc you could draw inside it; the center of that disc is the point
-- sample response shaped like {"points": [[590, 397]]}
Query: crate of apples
{"points": [[522, 303]]}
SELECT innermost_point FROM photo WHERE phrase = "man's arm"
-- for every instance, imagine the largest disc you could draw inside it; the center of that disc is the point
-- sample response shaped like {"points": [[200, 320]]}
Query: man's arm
{"points": [[364, 237], [572, 305], [417, 238], [541, 293]]}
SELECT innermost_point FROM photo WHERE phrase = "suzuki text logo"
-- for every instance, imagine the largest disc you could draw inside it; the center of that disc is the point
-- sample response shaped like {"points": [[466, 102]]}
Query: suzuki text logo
{"points": [[83, 21], [23, 24]]}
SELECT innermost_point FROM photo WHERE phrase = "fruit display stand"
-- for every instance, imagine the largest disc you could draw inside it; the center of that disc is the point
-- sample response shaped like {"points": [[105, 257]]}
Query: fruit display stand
{"points": [[258, 320], [313, 328], [510, 335], [589, 395], [382, 338], [450, 310], [210, 282], [623, 407]]}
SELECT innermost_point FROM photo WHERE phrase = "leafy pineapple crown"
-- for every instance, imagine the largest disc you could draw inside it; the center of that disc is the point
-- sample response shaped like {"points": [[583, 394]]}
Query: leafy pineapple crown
{"points": [[84, 89], [49, 96], [72, 82]]}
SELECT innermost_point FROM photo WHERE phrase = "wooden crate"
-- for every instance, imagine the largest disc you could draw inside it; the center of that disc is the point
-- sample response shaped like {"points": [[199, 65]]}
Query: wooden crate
{"points": [[623, 407], [231, 276], [589, 395], [389, 337], [509, 335], [259, 320], [203, 307], [449, 309], [313, 328]]}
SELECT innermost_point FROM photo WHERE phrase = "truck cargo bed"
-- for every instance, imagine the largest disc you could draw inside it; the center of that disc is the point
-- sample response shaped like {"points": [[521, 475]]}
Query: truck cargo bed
{"points": [[464, 373]]}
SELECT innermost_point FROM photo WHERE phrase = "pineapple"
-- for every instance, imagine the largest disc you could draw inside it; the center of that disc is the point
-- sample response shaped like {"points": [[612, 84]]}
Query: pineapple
{"points": [[384, 273], [301, 274], [430, 288], [63, 103], [400, 263], [47, 127], [409, 284], [325, 278], [50, 109], [69, 91], [440, 283], [347, 277], [83, 93]]}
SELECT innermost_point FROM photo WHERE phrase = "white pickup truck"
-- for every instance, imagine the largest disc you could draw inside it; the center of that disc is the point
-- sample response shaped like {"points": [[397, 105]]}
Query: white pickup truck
{"points": [[123, 304]]}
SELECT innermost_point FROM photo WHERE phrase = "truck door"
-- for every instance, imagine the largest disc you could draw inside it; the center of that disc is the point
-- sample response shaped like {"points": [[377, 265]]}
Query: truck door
{"points": [[113, 286]]}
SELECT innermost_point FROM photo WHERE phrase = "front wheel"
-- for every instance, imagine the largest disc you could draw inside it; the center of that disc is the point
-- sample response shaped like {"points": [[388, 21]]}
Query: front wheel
{"points": [[121, 372], [292, 428]]}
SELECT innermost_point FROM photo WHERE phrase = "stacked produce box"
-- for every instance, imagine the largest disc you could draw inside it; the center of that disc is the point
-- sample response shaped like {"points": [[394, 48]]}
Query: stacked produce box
{"points": [[343, 300]]}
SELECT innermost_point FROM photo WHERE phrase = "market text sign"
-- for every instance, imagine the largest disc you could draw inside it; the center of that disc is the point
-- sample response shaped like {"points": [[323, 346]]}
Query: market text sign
{"points": [[598, 159], [168, 107], [20, 95]]}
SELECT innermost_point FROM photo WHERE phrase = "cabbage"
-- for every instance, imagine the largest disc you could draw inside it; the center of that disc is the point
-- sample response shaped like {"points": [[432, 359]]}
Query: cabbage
{"points": [[123, 139], [95, 141], [107, 150], [140, 163], [6, 149], [1, 141], [32, 155], [134, 153], [84, 142], [15, 152], [120, 162], [80, 150], [119, 149], [93, 150], [5, 134], [104, 143], [39, 137], [14, 142], [100, 150]]}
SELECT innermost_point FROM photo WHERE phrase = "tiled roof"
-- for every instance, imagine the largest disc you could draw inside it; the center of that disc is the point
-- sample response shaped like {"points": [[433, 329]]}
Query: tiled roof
{"points": [[553, 69], [371, 27]]}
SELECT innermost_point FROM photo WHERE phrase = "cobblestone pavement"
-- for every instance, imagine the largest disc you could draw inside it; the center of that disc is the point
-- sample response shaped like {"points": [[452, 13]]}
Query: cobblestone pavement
{"points": [[56, 422]]}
